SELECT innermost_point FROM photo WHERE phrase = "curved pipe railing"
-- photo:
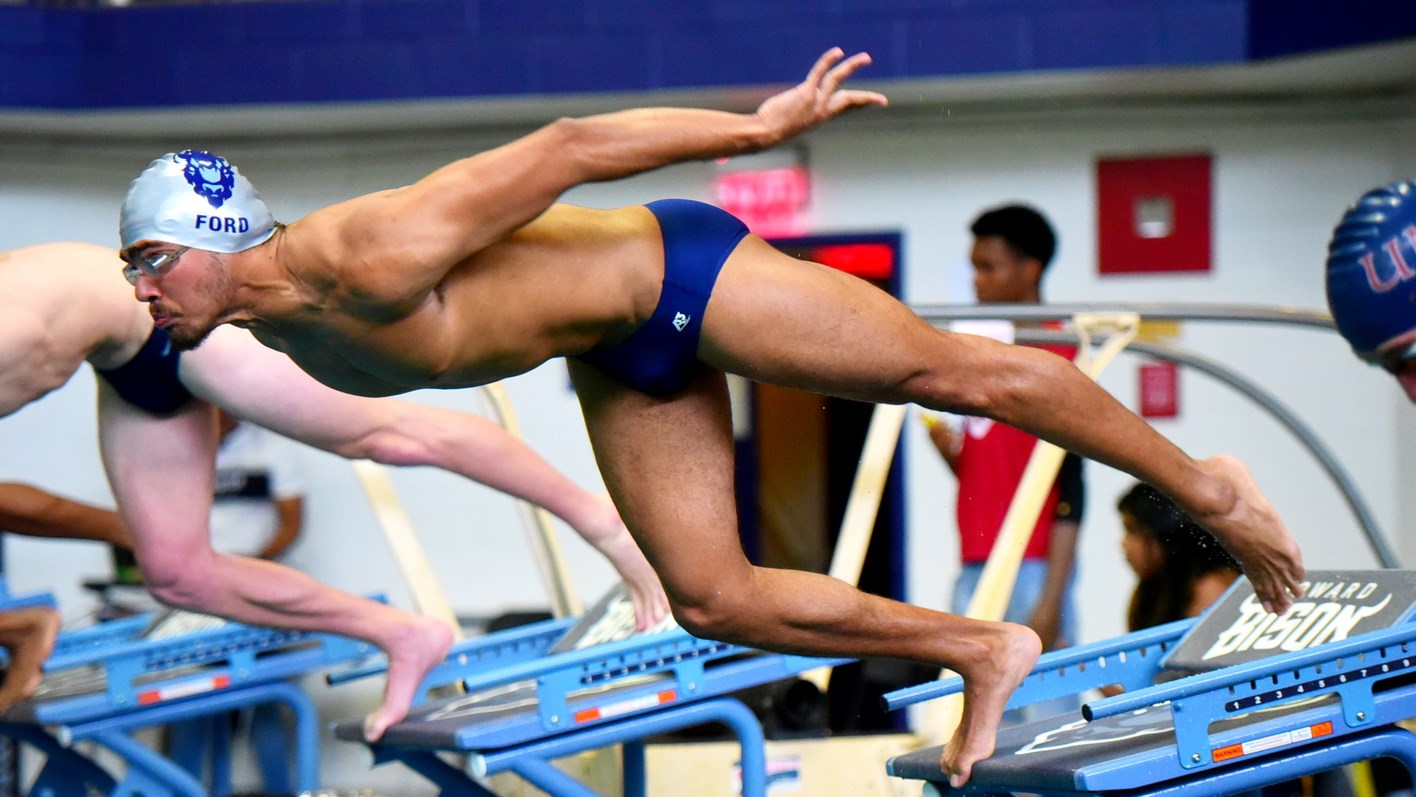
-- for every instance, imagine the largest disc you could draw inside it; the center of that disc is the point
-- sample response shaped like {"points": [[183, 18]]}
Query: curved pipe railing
{"points": [[1158, 311], [937, 314]]}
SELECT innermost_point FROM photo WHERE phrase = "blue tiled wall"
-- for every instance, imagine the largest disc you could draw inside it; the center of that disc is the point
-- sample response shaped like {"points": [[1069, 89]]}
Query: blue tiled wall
{"points": [[337, 50]]}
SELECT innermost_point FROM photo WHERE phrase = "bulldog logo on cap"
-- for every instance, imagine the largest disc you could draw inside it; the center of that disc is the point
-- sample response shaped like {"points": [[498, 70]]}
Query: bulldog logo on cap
{"points": [[209, 175]]}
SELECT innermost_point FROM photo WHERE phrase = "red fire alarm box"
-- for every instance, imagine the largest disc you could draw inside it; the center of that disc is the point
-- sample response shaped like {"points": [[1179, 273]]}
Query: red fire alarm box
{"points": [[1153, 214], [1160, 390]]}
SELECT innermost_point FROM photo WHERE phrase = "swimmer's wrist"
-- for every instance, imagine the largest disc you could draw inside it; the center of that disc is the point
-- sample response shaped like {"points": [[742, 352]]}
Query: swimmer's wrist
{"points": [[1210, 495], [762, 133]]}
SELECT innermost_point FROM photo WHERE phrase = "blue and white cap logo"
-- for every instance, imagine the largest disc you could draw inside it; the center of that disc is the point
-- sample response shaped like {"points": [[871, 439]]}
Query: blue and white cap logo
{"points": [[209, 175], [1371, 267], [197, 199]]}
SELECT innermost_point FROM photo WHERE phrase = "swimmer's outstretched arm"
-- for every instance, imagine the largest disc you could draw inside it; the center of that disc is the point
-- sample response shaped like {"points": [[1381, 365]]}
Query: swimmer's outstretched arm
{"points": [[437, 222], [231, 369], [29, 510], [161, 471]]}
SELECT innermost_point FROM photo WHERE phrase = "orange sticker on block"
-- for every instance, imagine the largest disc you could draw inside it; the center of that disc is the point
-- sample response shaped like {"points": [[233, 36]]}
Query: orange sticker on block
{"points": [[625, 706], [1273, 742], [186, 689], [1229, 753]]}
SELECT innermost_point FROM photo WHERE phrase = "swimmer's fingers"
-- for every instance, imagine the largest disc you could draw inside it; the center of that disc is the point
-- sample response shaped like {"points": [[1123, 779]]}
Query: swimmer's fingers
{"points": [[829, 88], [831, 81], [1288, 581], [837, 101], [819, 70], [651, 605], [843, 101], [1276, 576], [818, 98]]}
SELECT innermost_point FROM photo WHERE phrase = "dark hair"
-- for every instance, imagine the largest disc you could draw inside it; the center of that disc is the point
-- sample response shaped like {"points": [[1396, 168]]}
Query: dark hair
{"points": [[1022, 227], [1190, 552]]}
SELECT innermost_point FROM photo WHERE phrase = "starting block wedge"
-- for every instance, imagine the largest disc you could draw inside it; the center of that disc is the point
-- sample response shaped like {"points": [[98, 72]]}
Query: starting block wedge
{"points": [[529, 700], [1236, 699], [105, 682]]}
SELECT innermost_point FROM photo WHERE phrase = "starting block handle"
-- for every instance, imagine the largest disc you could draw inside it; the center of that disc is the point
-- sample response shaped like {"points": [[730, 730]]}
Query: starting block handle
{"points": [[208, 644], [472, 656], [1090, 655], [208, 640], [29, 601], [599, 664], [101, 634], [1238, 674]]}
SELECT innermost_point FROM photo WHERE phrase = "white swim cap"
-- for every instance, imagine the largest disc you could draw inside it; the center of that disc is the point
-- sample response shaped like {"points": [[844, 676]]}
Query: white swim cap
{"points": [[195, 199]]}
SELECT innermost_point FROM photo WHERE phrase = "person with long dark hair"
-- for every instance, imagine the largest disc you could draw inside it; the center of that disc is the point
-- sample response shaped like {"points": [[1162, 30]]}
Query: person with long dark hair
{"points": [[1182, 571], [1180, 567]]}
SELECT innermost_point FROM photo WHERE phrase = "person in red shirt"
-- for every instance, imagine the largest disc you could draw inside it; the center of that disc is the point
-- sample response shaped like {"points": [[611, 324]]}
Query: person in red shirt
{"points": [[1013, 245]]}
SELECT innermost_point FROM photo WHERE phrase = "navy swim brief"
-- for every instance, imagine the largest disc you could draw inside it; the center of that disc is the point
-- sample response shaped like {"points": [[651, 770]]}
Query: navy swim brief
{"points": [[149, 381], [660, 357]]}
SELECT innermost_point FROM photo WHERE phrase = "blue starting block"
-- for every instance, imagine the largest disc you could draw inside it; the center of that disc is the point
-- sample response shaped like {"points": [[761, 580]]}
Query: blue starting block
{"points": [[562, 687], [1253, 699], [104, 682], [15, 602]]}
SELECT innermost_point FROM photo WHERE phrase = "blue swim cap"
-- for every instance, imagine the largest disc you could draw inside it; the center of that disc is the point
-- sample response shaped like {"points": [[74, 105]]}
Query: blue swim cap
{"points": [[195, 199], [1371, 267]]}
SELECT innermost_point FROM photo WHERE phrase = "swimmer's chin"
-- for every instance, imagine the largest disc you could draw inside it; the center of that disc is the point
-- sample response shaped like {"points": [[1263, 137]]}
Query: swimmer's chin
{"points": [[183, 338]]}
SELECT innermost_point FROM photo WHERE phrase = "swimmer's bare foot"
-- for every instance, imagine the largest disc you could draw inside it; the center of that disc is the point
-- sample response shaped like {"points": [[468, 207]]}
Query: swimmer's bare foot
{"points": [[413, 649], [1251, 530], [28, 634], [1005, 654]]}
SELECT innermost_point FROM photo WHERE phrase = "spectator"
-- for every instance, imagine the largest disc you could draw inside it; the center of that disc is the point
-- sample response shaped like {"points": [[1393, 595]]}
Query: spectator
{"points": [[1012, 248], [1181, 569]]}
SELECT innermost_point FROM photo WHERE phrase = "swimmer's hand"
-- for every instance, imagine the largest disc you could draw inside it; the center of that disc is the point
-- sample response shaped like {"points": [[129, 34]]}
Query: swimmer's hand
{"points": [[651, 604], [819, 98], [28, 635], [612, 539]]}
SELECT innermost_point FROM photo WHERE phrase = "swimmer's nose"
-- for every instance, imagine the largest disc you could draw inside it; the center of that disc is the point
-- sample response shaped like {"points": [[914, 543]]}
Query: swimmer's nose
{"points": [[145, 288]]}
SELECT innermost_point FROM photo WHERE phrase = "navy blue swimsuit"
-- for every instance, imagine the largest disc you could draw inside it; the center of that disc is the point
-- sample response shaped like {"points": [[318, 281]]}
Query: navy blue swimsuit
{"points": [[661, 356], [149, 381]]}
